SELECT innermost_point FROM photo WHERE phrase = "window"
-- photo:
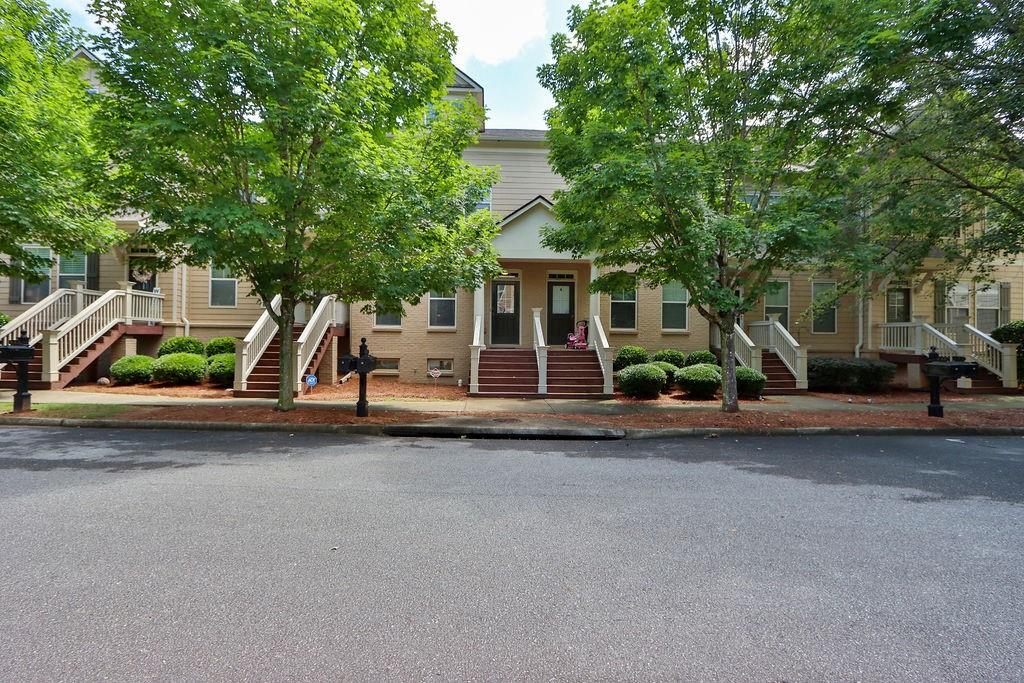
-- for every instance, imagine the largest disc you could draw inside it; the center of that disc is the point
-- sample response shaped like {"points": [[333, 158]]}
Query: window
{"points": [[825, 321], [958, 304], [72, 269], [897, 305], [674, 303], [442, 309], [223, 287], [986, 307], [387, 366], [777, 302], [445, 365], [484, 203], [383, 319], [624, 310], [34, 292]]}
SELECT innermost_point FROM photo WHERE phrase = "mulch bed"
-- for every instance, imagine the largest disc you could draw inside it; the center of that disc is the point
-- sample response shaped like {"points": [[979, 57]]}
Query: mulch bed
{"points": [[899, 396], [259, 414], [205, 390], [387, 387]]}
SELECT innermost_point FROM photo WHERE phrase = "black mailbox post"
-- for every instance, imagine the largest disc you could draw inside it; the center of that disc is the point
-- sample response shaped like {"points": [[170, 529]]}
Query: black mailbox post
{"points": [[363, 364], [937, 371], [19, 353]]}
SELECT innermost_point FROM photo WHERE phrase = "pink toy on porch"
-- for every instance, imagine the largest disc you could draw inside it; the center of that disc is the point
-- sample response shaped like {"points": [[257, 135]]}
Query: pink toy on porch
{"points": [[578, 340]]}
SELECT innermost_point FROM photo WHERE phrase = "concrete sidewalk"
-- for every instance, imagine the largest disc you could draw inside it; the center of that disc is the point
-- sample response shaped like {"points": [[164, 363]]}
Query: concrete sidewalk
{"points": [[470, 406]]}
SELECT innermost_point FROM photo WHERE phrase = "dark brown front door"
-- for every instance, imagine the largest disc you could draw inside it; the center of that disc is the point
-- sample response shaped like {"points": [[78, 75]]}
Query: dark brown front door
{"points": [[561, 311], [505, 313]]}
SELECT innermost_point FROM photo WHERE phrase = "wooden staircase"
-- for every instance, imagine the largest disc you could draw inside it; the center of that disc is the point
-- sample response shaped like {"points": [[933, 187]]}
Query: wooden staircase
{"points": [[508, 373], [987, 382], [574, 374], [264, 380], [780, 379]]}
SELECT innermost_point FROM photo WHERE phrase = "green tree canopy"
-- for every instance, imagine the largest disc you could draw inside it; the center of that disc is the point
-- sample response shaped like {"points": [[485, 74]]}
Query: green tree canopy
{"points": [[686, 132], [302, 144], [46, 145]]}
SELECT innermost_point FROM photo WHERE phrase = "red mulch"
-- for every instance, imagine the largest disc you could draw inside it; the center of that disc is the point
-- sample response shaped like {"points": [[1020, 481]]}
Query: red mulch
{"points": [[899, 396], [259, 414], [387, 387], [205, 390], [678, 398]]}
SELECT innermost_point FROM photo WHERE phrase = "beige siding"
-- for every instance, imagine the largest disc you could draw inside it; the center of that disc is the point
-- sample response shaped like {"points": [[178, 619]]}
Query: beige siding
{"points": [[525, 173], [649, 333]]}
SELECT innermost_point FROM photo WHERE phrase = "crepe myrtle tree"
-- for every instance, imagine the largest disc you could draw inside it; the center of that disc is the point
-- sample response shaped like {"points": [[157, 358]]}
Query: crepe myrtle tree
{"points": [[302, 144], [47, 150], [685, 133]]}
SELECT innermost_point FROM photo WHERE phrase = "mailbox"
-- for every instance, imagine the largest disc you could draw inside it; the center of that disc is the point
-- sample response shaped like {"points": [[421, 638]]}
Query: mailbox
{"points": [[20, 354], [937, 371], [15, 353], [363, 364]]}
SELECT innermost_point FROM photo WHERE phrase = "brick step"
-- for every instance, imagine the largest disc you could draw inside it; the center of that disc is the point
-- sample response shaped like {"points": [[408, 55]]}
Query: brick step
{"points": [[504, 394], [500, 377], [508, 388], [574, 374]]}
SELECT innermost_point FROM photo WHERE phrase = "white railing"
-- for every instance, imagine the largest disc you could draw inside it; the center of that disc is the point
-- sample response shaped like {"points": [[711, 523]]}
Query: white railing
{"points": [[475, 350], [309, 341], [917, 337], [115, 307], [944, 345], [255, 343], [599, 342], [998, 358], [747, 352], [47, 314], [771, 335], [541, 350]]}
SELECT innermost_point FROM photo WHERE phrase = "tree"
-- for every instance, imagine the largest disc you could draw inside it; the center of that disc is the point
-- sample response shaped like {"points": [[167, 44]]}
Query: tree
{"points": [[686, 133], [302, 144], [930, 96], [46, 143]]}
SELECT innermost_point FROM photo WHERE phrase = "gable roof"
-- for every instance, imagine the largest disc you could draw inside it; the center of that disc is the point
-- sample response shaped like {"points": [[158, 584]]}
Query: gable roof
{"points": [[539, 200], [464, 82]]}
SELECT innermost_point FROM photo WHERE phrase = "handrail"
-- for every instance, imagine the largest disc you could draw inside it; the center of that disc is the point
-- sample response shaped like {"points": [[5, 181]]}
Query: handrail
{"points": [[85, 327], [255, 343], [772, 336], [899, 336], [147, 306], [984, 349], [308, 342], [747, 352], [600, 341], [541, 350], [932, 337], [57, 306]]}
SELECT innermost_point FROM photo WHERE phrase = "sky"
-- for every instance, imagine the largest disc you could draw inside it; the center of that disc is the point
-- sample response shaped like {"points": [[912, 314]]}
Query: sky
{"points": [[501, 44]]}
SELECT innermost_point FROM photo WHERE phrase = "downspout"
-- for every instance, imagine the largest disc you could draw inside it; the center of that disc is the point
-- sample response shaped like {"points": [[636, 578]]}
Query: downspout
{"points": [[860, 324], [184, 299]]}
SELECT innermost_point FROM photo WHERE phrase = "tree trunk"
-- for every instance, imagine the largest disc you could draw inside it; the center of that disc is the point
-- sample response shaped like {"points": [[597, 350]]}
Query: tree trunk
{"points": [[286, 372], [730, 399]]}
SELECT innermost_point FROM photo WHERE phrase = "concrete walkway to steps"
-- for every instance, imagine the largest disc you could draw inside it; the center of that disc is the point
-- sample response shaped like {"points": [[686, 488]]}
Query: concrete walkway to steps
{"points": [[513, 405]]}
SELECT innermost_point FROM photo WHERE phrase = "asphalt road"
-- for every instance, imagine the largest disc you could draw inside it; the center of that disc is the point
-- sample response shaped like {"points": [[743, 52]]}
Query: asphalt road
{"points": [[131, 555]]}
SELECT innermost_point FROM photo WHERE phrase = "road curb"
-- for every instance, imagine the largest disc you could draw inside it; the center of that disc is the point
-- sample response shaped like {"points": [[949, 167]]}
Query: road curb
{"points": [[502, 431]]}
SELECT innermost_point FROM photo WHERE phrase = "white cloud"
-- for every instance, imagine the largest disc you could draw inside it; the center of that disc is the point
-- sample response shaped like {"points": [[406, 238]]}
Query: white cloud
{"points": [[493, 31]]}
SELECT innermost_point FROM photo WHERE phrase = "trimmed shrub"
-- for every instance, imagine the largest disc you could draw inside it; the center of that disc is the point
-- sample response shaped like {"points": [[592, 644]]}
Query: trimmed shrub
{"points": [[630, 355], [749, 382], [701, 356], [180, 345], [673, 356], [133, 370], [670, 373], [4, 319], [699, 381], [221, 369], [1013, 333], [220, 345], [853, 375], [180, 368], [645, 380]]}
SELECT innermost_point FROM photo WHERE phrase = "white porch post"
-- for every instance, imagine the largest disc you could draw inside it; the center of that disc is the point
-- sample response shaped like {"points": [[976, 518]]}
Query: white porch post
{"points": [[595, 298], [1010, 368], [477, 347]]}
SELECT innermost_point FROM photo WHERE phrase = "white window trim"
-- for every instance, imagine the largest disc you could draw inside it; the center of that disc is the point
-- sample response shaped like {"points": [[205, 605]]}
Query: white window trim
{"points": [[789, 299], [53, 271], [675, 330], [387, 328], [84, 274], [444, 328], [910, 301], [835, 307], [444, 373], [210, 293], [636, 312], [993, 287], [488, 200], [389, 371], [970, 302]]}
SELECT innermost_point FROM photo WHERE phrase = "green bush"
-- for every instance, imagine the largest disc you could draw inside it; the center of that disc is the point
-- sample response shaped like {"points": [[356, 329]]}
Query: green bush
{"points": [[670, 372], [645, 380], [854, 375], [1013, 333], [133, 370], [749, 382], [220, 345], [673, 356], [630, 355], [701, 356], [699, 381], [4, 319], [221, 369], [181, 345], [180, 368]]}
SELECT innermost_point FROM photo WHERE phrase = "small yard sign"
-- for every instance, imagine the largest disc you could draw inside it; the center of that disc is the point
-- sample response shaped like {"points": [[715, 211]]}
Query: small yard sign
{"points": [[311, 381], [434, 372]]}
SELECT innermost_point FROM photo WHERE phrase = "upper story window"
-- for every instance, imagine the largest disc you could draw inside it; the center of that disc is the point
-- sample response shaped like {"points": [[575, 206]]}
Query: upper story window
{"points": [[624, 310], [34, 292], [826, 320], [777, 302], [897, 305], [441, 309], [382, 319], [484, 203], [958, 304], [675, 301], [986, 307], [72, 269], [223, 287]]}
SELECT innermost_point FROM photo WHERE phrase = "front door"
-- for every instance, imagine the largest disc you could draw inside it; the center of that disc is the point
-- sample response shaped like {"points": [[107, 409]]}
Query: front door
{"points": [[561, 311], [505, 313]]}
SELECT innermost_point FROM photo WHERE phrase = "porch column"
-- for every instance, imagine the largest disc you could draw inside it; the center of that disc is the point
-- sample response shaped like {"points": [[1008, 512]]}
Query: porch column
{"points": [[478, 301], [595, 298]]}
